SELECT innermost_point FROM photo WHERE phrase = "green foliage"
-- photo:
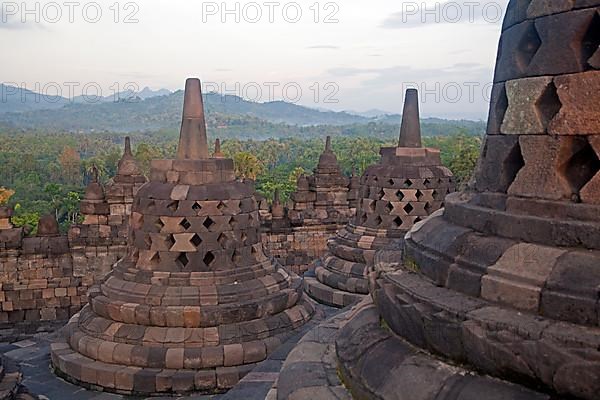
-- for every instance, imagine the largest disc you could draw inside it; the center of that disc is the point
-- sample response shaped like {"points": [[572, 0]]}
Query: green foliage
{"points": [[34, 162]]}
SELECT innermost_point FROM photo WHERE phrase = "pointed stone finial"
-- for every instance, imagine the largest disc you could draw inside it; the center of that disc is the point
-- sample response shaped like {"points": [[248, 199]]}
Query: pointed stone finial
{"points": [[410, 131], [127, 152], [328, 144], [218, 153], [193, 143]]}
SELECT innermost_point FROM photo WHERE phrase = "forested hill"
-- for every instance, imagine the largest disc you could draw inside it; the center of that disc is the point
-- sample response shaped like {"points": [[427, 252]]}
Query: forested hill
{"points": [[231, 114]]}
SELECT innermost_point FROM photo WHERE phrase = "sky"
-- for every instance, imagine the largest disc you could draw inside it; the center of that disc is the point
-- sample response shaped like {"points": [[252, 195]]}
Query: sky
{"points": [[356, 55]]}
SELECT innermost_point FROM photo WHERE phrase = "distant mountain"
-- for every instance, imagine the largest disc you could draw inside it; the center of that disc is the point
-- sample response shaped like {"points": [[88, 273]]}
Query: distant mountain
{"points": [[374, 113], [14, 99], [161, 110]]}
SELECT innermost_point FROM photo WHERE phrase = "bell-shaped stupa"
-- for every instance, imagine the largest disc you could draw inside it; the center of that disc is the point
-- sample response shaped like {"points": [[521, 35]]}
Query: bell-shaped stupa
{"points": [[195, 304], [407, 185], [505, 281]]}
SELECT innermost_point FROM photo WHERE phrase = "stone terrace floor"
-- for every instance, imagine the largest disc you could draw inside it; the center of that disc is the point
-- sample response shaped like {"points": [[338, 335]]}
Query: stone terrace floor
{"points": [[33, 357]]}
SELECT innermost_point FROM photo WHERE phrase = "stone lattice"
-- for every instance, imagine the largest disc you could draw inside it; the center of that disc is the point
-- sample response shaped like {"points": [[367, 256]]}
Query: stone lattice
{"points": [[406, 186], [195, 303], [506, 278]]}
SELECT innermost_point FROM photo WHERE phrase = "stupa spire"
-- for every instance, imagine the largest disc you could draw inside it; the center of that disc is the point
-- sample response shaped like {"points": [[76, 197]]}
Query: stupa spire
{"points": [[193, 144], [410, 131], [328, 143], [128, 152]]}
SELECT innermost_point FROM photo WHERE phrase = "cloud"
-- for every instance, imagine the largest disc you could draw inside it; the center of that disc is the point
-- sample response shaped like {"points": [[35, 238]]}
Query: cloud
{"points": [[417, 14], [323, 47]]}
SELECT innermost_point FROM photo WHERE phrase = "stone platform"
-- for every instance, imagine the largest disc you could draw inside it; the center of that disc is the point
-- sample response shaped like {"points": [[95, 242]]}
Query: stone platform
{"points": [[33, 358], [377, 364]]}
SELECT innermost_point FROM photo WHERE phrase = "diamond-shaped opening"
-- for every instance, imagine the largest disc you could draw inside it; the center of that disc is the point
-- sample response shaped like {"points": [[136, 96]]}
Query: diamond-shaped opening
{"points": [[418, 219], [364, 218], [513, 163], [159, 224], [185, 224], [381, 194], [389, 207], [208, 223], [548, 104], [426, 182], [391, 182], [196, 240], [378, 220], [173, 206], [208, 259], [155, 258], [183, 260], [528, 45], [591, 39], [221, 206], [169, 241], [419, 195], [399, 195], [408, 208], [196, 207], [373, 205], [581, 168], [408, 183], [428, 207], [398, 221]]}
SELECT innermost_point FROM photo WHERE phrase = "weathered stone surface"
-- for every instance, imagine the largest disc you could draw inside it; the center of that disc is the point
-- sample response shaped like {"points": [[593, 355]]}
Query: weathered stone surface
{"points": [[542, 175], [500, 161], [531, 106], [579, 112], [563, 34]]}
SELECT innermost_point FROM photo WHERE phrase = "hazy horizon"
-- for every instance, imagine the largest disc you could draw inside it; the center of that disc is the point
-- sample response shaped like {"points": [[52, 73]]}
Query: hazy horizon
{"points": [[364, 61]]}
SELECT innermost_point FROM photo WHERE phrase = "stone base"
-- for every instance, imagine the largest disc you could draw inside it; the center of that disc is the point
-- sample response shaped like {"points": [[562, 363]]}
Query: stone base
{"points": [[97, 375], [529, 349], [328, 295], [376, 364], [82, 358]]}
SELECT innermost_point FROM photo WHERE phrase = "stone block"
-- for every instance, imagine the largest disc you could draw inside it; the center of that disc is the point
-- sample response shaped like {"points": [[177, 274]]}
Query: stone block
{"points": [[532, 103], [580, 99], [519, 275]]}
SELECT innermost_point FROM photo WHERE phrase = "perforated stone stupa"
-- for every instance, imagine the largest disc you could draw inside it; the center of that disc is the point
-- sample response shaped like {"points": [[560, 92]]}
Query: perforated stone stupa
{"points": [[506, 280], [407, 185], [195, 304]]}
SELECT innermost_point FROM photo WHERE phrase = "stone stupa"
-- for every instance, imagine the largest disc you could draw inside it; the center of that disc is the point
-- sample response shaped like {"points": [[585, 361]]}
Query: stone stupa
{"points": [[407, 185], [506, 280], [195, 303]]}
